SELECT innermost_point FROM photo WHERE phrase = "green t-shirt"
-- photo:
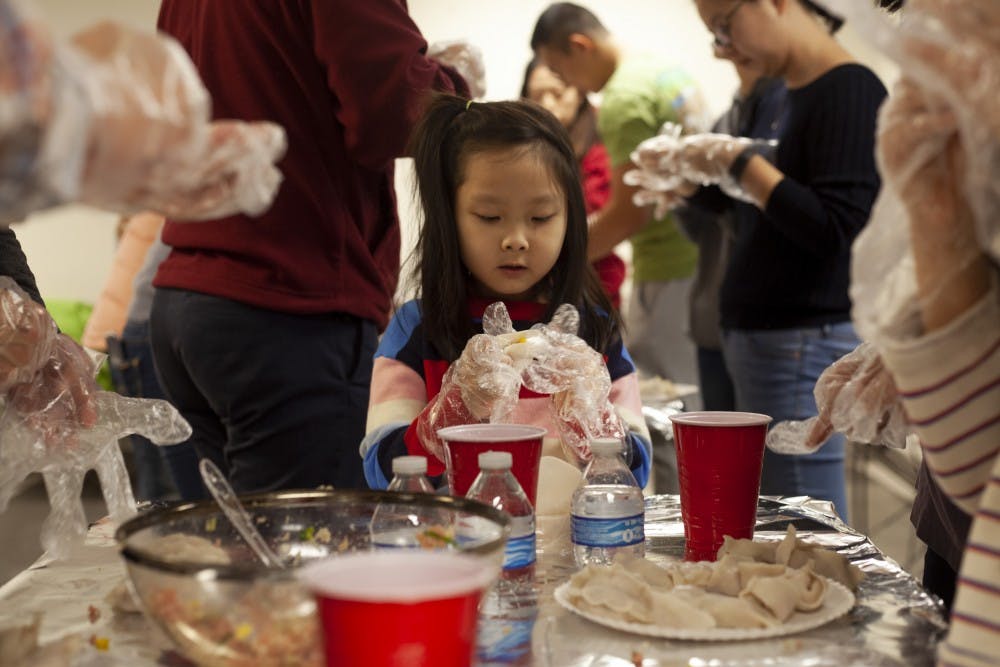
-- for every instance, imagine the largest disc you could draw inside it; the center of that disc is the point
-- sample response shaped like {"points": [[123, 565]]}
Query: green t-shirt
{"points": [[644, 93]]}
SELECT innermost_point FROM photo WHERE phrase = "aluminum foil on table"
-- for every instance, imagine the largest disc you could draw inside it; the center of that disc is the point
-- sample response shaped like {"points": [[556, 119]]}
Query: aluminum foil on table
{"points": [[894, 623]]}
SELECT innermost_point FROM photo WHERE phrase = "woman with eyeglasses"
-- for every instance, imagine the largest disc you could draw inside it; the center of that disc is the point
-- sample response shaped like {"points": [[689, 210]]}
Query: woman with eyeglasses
{"points": [[784, 306]]}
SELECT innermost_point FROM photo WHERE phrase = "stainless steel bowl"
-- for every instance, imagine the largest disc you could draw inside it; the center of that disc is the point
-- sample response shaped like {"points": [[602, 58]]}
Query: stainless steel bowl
{"points": [[196, 578]]}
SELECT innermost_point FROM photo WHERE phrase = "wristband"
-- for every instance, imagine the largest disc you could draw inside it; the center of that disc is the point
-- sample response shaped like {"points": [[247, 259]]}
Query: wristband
{"points": [[739, 164]]}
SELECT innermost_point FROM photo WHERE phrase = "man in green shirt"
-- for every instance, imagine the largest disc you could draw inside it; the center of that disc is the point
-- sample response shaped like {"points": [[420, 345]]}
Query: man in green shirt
{"points": [[640, 94]]}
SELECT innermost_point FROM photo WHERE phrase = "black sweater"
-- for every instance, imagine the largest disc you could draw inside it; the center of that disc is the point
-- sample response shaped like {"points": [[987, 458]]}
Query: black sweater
{"points": [[13, 263], [789, 265]]}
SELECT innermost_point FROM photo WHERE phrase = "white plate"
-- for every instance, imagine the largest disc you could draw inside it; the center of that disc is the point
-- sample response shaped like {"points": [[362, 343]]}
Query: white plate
{"points": [[838, 601]]}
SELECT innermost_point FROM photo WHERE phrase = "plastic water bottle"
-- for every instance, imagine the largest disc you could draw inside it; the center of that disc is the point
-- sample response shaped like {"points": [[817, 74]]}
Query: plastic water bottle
{"points": [[608, 511], [497, 486], [398, 525], [409, 475]]}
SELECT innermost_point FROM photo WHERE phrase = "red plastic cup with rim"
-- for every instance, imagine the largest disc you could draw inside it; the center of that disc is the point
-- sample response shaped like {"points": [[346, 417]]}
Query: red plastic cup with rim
{"points": [[399, 608], [464, 444], [719, 459]]}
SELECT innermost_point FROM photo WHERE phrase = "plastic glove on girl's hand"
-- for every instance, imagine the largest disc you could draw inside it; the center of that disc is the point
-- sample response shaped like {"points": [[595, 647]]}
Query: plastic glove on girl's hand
{"points": [[856, 396], [577, 378], [481, 386], [466, 59]]}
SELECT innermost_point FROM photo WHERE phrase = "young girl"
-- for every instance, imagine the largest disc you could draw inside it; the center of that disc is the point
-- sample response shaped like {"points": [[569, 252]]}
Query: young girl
{"points": [[504, 220]]}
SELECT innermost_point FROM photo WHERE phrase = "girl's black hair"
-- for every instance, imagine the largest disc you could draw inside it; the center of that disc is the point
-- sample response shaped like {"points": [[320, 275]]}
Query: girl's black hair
{"points": [[450, 131]]}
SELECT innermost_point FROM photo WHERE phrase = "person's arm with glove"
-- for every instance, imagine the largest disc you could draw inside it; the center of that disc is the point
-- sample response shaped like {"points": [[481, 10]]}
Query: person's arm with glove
{"points": [[855, 396], [674, 165], [117, 118], [946, 362]]}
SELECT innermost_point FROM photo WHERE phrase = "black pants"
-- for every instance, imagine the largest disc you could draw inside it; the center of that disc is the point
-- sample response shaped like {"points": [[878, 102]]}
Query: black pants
{"points": [[939, 578], [276, 400]]}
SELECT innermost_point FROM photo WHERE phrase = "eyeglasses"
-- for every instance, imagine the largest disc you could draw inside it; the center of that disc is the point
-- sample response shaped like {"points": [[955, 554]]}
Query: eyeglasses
{"points": [[723, 39]]}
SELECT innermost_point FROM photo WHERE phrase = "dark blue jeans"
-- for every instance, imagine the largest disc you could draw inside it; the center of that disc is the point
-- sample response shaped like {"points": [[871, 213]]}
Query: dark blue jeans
{"points": [[276, 400], [717, 392], [774, 372], [130, 358]]}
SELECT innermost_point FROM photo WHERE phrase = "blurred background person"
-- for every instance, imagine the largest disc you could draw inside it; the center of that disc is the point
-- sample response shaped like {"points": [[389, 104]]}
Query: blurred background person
{"points": [[757, 99], [640, 92], [579, 117], [785, 310], [119, 327]]}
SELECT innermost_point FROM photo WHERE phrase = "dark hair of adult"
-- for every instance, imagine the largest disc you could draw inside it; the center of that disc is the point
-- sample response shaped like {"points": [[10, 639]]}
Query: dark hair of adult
{"points": [[583, 130], [452, 130], [834, 22], [562, 19]]}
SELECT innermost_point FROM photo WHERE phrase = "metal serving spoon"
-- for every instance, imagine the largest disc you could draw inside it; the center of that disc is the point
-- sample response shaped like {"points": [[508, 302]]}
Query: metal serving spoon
{"points": [[223, 493]]}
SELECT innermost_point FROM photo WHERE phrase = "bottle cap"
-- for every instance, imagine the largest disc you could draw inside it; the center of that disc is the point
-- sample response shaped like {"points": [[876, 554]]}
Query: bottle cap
{"points": [[607, 446], [409, 465], [495, 461]]}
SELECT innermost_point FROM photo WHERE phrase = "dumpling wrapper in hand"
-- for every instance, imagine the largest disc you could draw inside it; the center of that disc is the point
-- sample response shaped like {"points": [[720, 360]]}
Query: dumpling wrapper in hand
{"points": [[523, 347], [557, 480]]}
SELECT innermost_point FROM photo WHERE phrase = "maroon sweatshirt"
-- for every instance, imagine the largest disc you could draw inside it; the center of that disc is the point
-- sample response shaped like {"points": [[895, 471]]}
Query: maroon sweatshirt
{"points": [[346, 79]]}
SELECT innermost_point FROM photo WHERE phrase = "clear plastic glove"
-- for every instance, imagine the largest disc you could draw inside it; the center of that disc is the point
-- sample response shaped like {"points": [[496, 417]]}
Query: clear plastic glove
{"points": [[577, 378], [671, 163], [939, 152], [856, 396], [119, 119], [467, 59], [27, 335], [53, 420], [58, 400], [482, 385]]}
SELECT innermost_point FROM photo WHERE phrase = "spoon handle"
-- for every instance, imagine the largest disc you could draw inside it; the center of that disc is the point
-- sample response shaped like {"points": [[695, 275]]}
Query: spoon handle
{"points": [[223, 493]]}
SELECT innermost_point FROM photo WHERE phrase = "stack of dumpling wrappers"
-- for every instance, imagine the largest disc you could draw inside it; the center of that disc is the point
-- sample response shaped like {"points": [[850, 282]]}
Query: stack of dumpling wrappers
{"points": [[751, 585]]}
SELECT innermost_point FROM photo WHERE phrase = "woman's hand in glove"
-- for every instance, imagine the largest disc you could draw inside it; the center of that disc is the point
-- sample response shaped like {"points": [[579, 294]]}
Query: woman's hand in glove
{"points": [[59, 399], [855, 396], [27, 336]]}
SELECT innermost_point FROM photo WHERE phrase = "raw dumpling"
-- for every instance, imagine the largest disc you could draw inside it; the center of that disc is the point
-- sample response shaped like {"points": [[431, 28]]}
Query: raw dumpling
{"points": [[671, 610], [725, 577], [795, 590], [650, 572], [797, 554], [728, 611], [749, 569], [762, 552]]}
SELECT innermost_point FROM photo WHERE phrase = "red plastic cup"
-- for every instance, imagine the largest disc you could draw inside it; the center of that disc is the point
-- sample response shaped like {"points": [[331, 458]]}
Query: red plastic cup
{"points": [[719, 459], [464, 444], [399, 608]]}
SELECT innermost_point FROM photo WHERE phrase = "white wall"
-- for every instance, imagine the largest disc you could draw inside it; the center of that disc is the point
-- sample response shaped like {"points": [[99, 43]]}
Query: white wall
{"points": [[70, 248]]}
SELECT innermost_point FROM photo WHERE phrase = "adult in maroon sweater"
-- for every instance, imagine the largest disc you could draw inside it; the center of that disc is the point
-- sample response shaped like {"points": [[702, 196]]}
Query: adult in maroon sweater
{"points": [[264, 328]]}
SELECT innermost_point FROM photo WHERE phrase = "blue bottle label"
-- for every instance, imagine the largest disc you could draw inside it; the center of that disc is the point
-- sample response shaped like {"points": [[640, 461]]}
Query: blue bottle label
{"points": [[519, 552], [610, 532]]}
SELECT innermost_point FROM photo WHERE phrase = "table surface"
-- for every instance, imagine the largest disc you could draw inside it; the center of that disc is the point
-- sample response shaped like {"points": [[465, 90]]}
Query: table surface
{"points": [[894, 623]]}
